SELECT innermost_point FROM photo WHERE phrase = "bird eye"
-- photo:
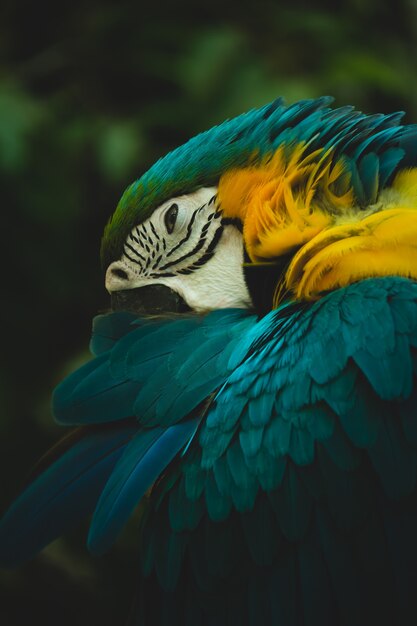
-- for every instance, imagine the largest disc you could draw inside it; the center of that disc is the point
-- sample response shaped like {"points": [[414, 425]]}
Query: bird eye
{"points": [[171, 217]]}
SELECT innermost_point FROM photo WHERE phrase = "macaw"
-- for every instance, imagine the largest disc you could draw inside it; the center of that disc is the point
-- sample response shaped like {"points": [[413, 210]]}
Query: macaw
{"points": [[255, 383]]}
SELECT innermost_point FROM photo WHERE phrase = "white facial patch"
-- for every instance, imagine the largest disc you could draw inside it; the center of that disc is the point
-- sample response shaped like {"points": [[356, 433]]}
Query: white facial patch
{"points": [[187, 246]]}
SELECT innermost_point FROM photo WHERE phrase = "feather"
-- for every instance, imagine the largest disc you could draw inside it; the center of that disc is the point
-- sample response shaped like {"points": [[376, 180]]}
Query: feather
{"points": [[317, 599], [226, 552], [91, 395], [292, 505], [251, 441], [399, 525], [108, 329], [341, 451], [389, 374], [408, 410], [194, 477], [369, 174], [218, 505], [62, 495], [269, 471], [258, 605], [283, 588], [169, 560], [374, 571], [184, 513], [348, 493], [261, 534], [145, 458], [394, 459], [359, 413], [388, 163], [342, 570]]}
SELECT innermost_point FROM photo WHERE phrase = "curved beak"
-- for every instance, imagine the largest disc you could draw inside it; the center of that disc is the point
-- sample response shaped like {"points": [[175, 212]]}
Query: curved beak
{"points": [[126, 295]]}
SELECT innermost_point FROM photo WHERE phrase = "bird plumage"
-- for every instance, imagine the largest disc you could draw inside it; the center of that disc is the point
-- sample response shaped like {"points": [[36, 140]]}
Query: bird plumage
{"points": [[372, 146], [276, 450]]}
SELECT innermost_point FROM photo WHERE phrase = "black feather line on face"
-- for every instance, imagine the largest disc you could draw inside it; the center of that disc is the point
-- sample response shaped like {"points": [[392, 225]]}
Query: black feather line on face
{"points": [[132, 249], [187, 235], [139, 240], [210, 248], [192, 252], [155, 231], [127, 255], [158, 260]]}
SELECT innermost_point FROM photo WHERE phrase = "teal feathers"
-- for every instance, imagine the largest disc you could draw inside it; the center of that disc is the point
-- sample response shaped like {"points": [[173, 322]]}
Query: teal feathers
{"points": [[145, 458], [63, 494], [128, 379], [315, 475], [303, 464]]}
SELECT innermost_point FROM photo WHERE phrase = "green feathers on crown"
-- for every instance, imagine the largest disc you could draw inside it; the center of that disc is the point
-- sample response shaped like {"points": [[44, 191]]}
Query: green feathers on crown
{"points": [[372, 146]]}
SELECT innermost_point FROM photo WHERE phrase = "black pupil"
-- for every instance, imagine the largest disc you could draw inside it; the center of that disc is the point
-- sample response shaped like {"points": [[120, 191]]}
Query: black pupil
{"points": [[171, 217]]}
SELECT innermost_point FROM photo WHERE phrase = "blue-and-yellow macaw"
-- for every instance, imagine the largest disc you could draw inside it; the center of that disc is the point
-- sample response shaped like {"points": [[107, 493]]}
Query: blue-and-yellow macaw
{"points": [[256, 381]]}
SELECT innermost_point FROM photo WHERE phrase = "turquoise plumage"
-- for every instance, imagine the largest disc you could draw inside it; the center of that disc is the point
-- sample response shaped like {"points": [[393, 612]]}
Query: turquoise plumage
{"points": [[320, 472], [278, 452]]}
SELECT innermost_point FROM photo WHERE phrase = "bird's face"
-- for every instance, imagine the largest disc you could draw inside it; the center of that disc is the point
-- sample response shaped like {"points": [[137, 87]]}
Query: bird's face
{"points": [[185, 256]]}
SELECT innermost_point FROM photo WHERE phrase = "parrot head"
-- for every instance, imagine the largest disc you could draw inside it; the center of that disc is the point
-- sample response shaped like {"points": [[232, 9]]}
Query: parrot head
{"points": [[190, 255], [282, 201]]}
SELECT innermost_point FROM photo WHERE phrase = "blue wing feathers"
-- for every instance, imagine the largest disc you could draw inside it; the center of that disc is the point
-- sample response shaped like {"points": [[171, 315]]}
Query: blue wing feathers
{"points": [[333, 465], [222, 475], [145, 458], [339, 560], [218, 505], [310, 439], [129, 379], [407, 411], [62, 495], [169, 558], [292, 505], [185, 512], [261, 534], [394, 458], [108, 329], [195, 479], [317, 599], [340, 450]]}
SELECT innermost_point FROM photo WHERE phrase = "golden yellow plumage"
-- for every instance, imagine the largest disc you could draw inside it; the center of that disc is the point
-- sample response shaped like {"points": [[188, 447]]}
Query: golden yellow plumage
{"points": [[283, 202], [305, 206], [382, 244]]}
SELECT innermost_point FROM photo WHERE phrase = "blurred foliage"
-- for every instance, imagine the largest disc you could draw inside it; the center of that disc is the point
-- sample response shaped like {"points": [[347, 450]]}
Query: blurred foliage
{"points": [[91, 93]]}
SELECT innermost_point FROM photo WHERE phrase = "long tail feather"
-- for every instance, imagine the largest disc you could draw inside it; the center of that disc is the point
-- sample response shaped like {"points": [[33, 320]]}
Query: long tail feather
{"points": [[145, 458], [61, 495]]}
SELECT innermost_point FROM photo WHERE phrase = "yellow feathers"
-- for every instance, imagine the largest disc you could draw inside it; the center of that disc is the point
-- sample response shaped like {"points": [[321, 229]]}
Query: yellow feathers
{"points": [[304, 206], [284, 202], [406, 183], [383, 244]]}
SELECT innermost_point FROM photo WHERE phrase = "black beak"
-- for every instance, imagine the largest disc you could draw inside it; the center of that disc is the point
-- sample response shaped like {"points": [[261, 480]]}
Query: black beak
{"points": [[153, 299]]}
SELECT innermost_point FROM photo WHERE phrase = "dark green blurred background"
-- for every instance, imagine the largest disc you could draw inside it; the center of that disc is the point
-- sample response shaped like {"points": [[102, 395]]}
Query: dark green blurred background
{"points": [[91, 93]]}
